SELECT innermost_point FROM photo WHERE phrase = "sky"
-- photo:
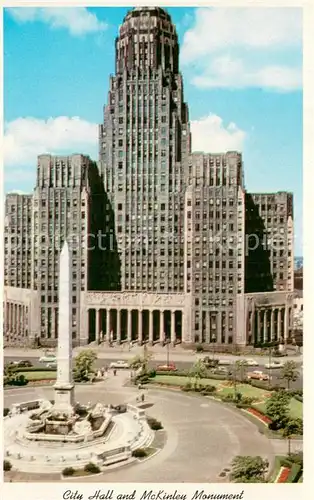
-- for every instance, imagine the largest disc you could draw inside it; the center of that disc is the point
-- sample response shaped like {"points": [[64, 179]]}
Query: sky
{"points": [[242, 70]]}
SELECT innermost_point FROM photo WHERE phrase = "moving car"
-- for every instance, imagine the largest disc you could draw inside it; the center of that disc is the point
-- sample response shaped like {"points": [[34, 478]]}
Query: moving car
{"points": [[166, 368], [225, 362], [274, 364], [251, 362], [258, 375], [119, 364], [22, 363], [48, 358], [54, 364]]}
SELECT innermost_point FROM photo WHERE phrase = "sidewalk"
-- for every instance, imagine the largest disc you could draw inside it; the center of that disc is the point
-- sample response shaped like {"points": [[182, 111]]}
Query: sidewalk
{"points": [[158, 352]]}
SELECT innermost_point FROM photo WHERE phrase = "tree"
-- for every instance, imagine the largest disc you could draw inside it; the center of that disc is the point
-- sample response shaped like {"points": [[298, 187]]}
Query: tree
{"points": [[141, 361], [249, 469], [289, 372], [238, 370], [277, 408], [83, 364], [198, 371], [293, 426]]}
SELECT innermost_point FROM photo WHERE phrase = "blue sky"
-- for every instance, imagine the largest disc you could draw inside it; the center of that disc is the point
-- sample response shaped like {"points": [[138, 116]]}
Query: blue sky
{"points": [[242, 81]]}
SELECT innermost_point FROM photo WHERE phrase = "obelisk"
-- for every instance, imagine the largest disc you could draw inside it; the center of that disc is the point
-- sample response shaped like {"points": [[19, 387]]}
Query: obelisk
{"points": [[64, 387]]}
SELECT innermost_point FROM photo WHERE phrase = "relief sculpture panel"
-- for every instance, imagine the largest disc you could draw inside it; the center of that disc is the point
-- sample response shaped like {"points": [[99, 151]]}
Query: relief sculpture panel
{"points": [[130, 299]]}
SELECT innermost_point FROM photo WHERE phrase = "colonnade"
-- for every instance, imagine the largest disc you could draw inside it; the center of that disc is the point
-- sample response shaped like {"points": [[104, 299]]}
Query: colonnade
{"points": [[15, 319], [129, 324], [269, 324]]}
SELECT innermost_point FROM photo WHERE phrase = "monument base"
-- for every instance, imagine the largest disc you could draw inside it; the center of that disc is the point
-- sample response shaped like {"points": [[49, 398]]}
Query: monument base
{"points": [[64, 398]]}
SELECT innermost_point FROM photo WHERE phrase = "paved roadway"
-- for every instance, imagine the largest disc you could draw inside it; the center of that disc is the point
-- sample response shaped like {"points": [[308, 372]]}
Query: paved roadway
{"points": [[185, 364]]}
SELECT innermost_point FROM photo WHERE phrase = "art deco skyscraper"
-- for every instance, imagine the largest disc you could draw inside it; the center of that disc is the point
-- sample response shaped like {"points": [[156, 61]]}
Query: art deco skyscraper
{"points": [[144, 144]]}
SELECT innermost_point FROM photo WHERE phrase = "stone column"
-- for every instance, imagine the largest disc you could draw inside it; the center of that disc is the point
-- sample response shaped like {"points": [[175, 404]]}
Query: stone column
{"points": [[140, 327], [11, 317], [258, 325], [23, 320], [173, 328], [218, 331], [272, 337], [286, 324], [14, 319], [278, 323], [151, 330], [252, 324], [97, 328], [109, 326], [129, 332], [207, 330], [118, 326], [161, 327], [8, 318], [265, 339], [106, 330]]}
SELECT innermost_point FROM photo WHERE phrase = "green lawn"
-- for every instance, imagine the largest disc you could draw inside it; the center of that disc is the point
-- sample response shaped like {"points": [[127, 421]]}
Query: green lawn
{"points": [[276, 468], [39, 375], [245, 389], [173, 380], [296, 408]]}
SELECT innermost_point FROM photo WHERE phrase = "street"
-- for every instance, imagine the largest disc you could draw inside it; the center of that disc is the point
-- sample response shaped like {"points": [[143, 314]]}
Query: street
{"points": [[161, 358]]}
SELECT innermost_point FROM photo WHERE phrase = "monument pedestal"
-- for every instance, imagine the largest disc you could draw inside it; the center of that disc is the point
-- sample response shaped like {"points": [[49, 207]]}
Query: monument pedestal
{"points": [[64, 398]]}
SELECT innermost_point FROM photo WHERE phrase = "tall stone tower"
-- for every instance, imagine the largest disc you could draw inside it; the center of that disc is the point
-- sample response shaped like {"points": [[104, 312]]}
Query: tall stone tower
{"points": [[144, 143]]}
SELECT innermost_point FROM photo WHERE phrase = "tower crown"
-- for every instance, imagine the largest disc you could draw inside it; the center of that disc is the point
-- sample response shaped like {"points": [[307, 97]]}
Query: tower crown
{"points": [[147, 39]]}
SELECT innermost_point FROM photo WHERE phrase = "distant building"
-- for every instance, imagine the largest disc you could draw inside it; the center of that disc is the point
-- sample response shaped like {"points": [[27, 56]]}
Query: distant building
{"points": [[298, 279]]}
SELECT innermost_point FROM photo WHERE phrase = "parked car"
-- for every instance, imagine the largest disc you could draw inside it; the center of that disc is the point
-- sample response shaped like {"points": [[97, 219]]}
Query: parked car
{"points": [[274, 364], [258, 375], [119, 364], [225, 362], [251, 362], [210, 362], [48, 358], [22, 363], [222, 370], [166, 368]]}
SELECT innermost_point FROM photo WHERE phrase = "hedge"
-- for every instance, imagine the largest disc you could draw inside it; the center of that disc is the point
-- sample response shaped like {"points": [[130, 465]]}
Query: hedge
{"points": [[295, 473], [68, 471], [173, 374], [7, 466], [263, 385], [33, 369]]}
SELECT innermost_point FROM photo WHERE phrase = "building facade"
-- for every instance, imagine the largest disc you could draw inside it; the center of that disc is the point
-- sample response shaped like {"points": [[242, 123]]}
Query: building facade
{"points": [[214, 244], [165, 244], [144, 145]]}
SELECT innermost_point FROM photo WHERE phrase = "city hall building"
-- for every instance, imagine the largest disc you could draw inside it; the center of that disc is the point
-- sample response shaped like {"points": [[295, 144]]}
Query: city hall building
{"points": [[166, 244]]}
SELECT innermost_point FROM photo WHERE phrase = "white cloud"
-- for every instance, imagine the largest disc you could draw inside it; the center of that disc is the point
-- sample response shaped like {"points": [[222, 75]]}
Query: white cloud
{"points": [[26, 138], [16, 191], [225, 72], [245, 47], [210, 135], [78, 20]]}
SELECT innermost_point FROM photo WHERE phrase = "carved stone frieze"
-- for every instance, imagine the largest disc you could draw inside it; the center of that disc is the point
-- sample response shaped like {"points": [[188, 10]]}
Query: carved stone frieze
{"points": [[130, 299]]}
